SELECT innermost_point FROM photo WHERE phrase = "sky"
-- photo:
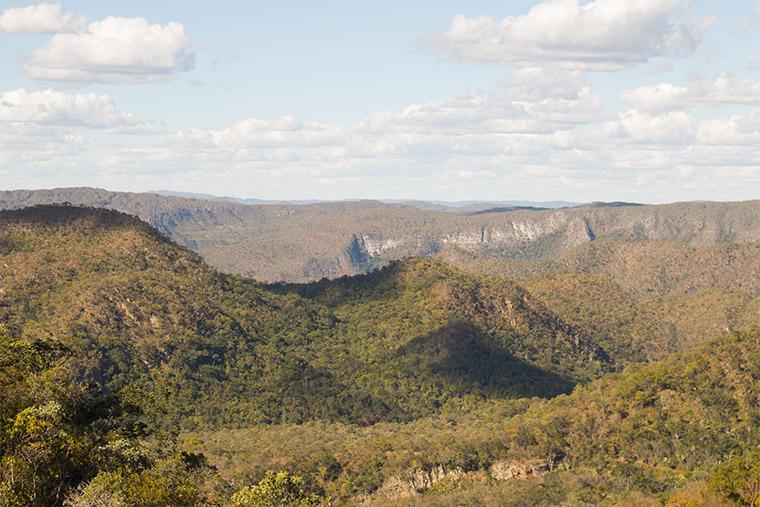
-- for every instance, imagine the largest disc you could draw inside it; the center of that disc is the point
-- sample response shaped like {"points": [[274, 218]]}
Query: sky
{"points": [[634, 100]]}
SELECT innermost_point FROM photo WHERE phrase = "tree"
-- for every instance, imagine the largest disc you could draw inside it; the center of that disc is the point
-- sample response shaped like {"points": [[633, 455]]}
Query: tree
{"points": [[739, 479], [274, 490]]}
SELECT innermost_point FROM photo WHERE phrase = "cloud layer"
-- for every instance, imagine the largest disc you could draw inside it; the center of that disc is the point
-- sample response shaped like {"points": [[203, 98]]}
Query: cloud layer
{"points": [[598, 35], [724, 90]]}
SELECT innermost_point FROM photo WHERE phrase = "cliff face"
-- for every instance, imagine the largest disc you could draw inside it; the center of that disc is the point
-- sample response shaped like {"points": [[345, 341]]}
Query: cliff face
{"points": [[418, 481], [534, 236], [546, 234]]}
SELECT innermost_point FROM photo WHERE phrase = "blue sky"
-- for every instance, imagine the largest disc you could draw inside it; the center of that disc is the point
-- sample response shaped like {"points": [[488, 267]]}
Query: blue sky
{"points": [[427, 99]]}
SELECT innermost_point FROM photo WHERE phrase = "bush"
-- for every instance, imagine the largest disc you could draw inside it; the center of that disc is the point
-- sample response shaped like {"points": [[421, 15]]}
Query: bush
{"points": [[275, 489], [738, 479]]}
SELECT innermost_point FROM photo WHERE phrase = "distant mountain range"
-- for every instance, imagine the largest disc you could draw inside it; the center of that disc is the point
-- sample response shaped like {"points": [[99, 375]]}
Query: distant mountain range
{"points": [[446, 206], [288, 242]]}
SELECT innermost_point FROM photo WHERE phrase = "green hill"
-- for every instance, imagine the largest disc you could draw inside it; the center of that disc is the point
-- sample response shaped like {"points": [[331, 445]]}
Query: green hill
{"points": [[658, 296], [217, 349]]}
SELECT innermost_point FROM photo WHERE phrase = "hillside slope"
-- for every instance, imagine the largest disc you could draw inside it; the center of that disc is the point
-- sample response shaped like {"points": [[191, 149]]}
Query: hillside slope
{"points": [[216, 349], [666, 295], [308, 242], [641, 437]]}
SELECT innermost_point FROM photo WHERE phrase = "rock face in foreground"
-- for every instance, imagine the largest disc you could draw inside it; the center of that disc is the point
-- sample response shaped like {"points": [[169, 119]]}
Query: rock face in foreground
{"points": [[522, 470], [416, 481]]}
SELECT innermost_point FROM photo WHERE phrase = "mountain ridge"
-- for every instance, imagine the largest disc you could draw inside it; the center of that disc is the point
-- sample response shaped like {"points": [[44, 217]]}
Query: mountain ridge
{"points": [[308, 242]]}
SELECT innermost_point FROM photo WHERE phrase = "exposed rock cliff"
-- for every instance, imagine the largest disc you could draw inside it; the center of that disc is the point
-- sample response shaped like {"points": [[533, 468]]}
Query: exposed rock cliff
{"points": [[416, 481], [521, 469]]}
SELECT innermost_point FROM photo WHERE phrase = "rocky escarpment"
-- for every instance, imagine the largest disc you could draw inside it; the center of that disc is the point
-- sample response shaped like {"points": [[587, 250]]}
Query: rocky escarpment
{"points": [[417, 481], [364, 248], [537, 236], [522, 469]]}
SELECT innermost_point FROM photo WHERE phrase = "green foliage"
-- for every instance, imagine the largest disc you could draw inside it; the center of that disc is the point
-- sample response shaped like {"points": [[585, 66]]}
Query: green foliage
{"points": [[277, 488], [205, 349], [647, 430], [43, 452], [738, 479], [62, 440], [169, 482]]}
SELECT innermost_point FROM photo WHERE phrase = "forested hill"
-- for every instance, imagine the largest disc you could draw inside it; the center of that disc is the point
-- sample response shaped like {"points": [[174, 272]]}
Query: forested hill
{"points": [[679, 432], [285, 242], [211, 348]]}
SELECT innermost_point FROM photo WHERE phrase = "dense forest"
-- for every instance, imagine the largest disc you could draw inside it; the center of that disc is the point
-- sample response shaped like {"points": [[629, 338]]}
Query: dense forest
{"points": [[132, 373]]}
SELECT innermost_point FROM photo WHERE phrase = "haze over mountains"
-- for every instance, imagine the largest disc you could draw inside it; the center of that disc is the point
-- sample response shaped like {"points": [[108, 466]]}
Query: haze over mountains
{"points": [[450, 206]]}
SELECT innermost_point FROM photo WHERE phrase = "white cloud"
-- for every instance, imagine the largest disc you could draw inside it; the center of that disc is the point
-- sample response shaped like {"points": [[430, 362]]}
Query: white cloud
{"points": [[600, 35], [40, 18], [51, 108], [655, 98], [539, 83], [486, 141], [251, 133], [735, 130], [128, 50], [724, 90], [670, 127], [510, 122]]}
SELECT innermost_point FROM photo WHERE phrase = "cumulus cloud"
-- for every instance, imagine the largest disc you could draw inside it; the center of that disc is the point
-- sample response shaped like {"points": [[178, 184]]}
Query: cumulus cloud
{"points": [[655, 98], [127, 50], [50, 108], [662, 97], [565, 141], [508, 122], [670, 127], [599, 35], [731, 131], [51, 134], [40, 18], [252, 133], [511, 121]]}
